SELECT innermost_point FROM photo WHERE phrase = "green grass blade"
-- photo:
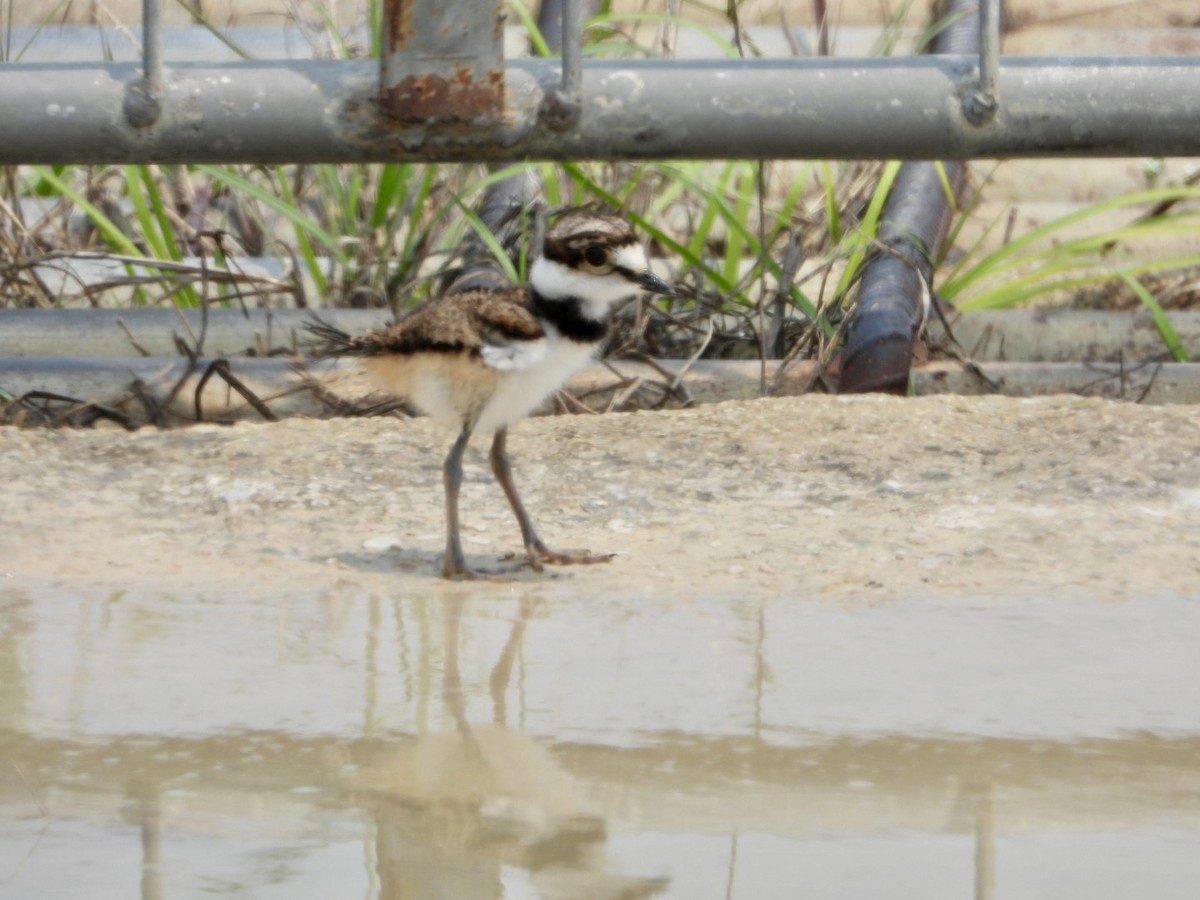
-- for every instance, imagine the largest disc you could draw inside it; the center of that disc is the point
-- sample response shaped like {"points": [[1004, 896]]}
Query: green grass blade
{"points": [[1004, 256], [833, 216], [787, 209], [154, 225], [536, 42], [1043, 282], [47, 17], [299, 229], [415, 206], [109, 231], [1161, 320], [947, 188], [489, 240], [868, 228], [375, 25], [961, 221], [704, 227], [284, 205], [737, 239], [138, 183], [1081, 254], [390, 190]]}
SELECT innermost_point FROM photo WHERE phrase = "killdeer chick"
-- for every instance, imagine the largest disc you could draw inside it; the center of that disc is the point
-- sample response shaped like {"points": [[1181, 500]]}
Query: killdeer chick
{"points": [[481, 360]]}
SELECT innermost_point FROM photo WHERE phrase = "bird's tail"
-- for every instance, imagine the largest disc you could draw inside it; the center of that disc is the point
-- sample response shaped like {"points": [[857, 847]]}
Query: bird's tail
{"points": [[327, 340]]}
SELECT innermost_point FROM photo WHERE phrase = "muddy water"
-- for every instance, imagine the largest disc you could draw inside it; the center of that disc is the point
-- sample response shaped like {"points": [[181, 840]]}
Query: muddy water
{"points": [[472, 742]]}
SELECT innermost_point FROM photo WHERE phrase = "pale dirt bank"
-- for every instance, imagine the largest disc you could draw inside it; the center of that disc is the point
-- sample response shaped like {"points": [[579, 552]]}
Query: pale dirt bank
{"points": [[813, 498]]}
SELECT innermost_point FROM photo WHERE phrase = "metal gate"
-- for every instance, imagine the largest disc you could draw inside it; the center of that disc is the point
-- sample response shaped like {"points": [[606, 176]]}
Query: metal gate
{"points": [[442, 90]]}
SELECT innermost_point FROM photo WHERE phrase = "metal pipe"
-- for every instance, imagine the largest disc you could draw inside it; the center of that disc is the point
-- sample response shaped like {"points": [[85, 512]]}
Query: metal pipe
{"points": [[326, 110], [572, 51], [982, 105], [142, 104], [151, 45], [288, 389], [561, 25], [155, 332], [442, 62], [282, 386], [1043, 335], [895, 289]]}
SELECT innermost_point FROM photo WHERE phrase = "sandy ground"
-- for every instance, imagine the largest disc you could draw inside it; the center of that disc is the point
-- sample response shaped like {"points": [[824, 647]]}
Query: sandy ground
{"points": [[818, 498]]}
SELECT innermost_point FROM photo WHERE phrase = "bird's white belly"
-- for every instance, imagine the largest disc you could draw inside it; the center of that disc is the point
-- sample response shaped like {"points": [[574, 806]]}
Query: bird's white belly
{"points": [[446, 387], [521, 391]]}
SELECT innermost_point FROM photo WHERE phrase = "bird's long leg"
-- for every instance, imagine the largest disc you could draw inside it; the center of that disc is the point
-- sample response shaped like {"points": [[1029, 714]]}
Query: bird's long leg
{"points": [[535, 548], [454, 564]]}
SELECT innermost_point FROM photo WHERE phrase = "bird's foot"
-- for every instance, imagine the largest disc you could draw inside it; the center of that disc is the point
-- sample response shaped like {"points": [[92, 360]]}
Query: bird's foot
{"points": [[538, 553], [467, 573], [458, 570], [536, 556]]}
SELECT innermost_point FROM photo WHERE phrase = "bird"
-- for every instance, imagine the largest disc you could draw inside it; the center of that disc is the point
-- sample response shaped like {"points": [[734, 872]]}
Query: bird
{"points": [[482, 359]]}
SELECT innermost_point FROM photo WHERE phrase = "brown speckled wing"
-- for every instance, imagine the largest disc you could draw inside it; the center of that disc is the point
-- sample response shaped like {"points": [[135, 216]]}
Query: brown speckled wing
{"points": [[457, 323], [505, 318]]}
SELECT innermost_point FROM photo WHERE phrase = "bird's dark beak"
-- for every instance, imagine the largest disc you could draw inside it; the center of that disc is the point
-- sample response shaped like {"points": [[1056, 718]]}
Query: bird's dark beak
{"points": [[652, 283]]}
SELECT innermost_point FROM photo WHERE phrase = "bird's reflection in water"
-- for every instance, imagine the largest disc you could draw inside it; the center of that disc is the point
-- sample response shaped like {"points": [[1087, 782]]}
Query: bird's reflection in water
{"points": [[459, 811]]}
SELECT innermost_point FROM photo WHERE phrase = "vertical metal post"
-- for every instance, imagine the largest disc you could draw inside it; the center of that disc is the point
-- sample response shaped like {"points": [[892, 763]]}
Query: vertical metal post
{"points": [[562, 25], [151, 46], [443, 61], [572, 52], [981, 105], [143, 99]]}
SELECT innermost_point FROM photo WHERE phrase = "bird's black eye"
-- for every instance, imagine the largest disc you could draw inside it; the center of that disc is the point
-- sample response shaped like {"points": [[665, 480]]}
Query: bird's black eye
{"points": [[595, 256]]}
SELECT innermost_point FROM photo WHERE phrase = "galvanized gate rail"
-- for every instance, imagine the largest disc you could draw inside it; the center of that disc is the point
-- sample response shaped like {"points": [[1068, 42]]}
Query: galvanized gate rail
{"points": [[442, 91]]}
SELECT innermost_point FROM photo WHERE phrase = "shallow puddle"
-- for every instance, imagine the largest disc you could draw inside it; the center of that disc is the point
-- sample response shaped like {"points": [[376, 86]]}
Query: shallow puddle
{"points": [[486, 743]]}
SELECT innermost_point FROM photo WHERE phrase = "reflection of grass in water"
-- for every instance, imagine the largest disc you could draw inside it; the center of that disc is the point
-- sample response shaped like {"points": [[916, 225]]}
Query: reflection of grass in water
{"points": [[769, 252]]}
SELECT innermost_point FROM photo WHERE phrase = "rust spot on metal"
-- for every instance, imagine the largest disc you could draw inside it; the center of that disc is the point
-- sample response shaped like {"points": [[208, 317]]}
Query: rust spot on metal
{"points": [[398, 23], [434, 98]]}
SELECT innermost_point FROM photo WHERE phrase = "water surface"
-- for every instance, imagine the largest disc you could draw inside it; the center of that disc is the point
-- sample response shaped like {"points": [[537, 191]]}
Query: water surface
{"points": [[495, 742]]}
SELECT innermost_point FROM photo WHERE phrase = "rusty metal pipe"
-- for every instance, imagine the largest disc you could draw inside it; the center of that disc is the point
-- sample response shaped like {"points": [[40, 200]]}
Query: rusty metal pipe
{"points": [[327, 111], [442, 62]]}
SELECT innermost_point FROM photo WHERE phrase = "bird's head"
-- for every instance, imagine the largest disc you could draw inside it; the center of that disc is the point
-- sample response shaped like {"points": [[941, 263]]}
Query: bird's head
{"points": [[596, 259]]}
